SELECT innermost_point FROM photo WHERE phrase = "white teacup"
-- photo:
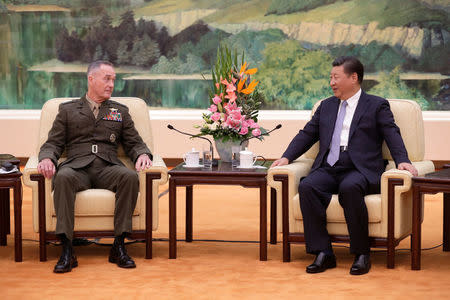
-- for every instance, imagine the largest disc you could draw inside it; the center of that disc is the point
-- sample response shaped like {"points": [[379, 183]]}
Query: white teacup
{"points": [[191, 159], [247, 159]]}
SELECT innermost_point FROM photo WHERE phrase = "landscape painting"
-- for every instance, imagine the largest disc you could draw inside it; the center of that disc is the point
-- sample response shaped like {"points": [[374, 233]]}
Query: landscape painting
{"points": [[163, 50]]}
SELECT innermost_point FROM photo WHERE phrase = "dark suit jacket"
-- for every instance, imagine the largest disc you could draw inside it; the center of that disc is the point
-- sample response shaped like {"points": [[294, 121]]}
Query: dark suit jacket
{"points": [[75, 130], [372, 123]]}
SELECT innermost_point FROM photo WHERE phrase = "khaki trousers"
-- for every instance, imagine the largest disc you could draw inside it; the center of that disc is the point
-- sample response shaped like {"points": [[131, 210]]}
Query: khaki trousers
{"points": [[99, 174]]}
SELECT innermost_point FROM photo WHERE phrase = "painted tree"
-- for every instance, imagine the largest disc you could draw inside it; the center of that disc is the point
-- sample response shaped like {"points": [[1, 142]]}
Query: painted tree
{"points": [[127, 28], [68, 47], [293, 77], [145, 52]]}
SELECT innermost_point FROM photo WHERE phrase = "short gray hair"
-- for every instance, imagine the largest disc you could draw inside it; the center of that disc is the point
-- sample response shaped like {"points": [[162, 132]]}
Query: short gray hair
{"points": [[97, 64]]}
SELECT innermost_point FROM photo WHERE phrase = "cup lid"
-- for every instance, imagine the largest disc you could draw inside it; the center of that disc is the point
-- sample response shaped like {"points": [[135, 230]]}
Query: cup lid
{"points": [[246, 152]]}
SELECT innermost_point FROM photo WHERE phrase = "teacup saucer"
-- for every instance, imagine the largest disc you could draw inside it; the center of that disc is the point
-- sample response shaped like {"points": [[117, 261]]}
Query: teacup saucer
{"points": [[251, 167], [193, 167], [242, 167]]}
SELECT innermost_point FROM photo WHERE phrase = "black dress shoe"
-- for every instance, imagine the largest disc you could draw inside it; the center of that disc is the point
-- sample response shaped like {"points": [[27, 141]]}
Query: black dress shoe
{"points": [[361, 265], [118, 255], [321, 263], [67, 261]]}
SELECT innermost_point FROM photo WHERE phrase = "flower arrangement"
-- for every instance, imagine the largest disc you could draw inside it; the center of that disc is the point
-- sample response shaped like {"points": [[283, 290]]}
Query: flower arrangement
{"points": [[234, 101]]}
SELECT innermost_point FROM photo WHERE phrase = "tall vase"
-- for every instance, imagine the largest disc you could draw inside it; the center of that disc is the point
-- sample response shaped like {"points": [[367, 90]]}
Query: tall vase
{"points": [[224, 148]]}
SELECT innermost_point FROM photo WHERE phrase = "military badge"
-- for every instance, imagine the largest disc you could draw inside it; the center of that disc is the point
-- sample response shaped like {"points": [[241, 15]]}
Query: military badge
{"points": [[114, 115], [112, 138]]}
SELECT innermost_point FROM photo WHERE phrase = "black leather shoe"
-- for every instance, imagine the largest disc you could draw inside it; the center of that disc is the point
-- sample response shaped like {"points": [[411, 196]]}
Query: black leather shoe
{"points": [[361, 265], [67, 261], [321, 263], [118, 255]]}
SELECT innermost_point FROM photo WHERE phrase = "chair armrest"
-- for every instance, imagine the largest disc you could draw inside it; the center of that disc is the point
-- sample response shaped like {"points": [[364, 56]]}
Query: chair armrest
{"points": [[424, 167], [30, 169], [158, 166], [396, 174], [295, 170]]}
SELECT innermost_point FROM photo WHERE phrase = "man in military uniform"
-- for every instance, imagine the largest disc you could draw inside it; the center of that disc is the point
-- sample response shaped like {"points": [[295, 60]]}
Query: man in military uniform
{"points": [[90, 130]]}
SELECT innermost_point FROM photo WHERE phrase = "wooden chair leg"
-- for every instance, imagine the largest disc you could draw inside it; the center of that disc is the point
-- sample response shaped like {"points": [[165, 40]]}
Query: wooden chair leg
{"points": [[285, 216], [42, 246], [286, 250], [149, 213], [42, 223], [390, 257], [273, 216]]}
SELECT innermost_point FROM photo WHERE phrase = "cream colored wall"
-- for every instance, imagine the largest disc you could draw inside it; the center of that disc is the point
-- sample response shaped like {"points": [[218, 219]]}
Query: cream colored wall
{"points": [[18, 132]]}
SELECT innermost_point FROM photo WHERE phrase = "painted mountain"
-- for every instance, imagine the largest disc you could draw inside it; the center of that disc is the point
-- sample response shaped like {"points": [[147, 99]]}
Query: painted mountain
{"points": [[164, 49]]}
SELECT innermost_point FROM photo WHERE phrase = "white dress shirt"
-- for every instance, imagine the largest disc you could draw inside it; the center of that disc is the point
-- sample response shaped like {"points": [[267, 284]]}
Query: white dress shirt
{"points": [[352, 102]]}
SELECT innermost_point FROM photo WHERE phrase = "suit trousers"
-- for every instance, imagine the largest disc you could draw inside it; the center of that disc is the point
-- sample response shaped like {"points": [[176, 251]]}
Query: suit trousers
{"points": [[315, 192], [99, 174]]}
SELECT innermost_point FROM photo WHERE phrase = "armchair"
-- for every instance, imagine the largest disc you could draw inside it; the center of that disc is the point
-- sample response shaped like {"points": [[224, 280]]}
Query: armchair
{"points": [[94, 208], [390, 212]]}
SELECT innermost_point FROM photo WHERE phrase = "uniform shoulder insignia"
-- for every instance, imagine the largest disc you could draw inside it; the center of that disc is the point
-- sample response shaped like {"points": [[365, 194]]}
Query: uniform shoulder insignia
{"points": [[118, 103], [70, 102]]}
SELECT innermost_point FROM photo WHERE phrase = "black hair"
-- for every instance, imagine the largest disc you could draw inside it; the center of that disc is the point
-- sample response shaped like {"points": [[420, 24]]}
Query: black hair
{"points": [[351, 65]]}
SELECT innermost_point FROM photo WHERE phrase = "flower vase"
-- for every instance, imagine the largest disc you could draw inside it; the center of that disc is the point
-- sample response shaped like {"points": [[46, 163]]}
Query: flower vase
{"points": [[224, 148]]}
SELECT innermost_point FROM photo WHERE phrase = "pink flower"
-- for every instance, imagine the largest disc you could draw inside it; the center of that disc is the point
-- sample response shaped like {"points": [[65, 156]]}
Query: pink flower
{"points": [[244, 131], [231, 106], [230, 88], [253, 124], [216, 100], [256, 132], [217, 85], [215, 117], [236, 115], [212, 108], [231, 96]]}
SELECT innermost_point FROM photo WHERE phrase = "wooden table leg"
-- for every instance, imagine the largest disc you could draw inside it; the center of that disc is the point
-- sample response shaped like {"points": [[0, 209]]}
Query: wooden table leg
{"points": [[4, 215], [18, 220], [446, 229], [273, 216], [263, 221], [172, 219], [416, 229], [189, 213]]}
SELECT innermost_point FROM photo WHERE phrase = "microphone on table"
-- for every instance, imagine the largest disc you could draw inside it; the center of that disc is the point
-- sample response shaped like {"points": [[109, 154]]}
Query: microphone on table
{"points": [[214, 161], [266, 133]]}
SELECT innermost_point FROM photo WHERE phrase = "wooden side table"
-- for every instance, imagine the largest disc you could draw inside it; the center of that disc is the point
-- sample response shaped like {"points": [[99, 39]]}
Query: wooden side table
{"points": [[8, 181], [223, 174], [432, 183]]}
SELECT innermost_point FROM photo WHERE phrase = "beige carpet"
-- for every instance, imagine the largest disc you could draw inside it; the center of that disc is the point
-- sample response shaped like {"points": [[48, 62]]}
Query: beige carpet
{"points": [[213, 270]]}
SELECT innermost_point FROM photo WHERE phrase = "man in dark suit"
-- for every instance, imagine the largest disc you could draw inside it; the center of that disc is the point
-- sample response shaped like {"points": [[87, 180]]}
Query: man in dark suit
{"points": [[90, 130], [350, 128]]}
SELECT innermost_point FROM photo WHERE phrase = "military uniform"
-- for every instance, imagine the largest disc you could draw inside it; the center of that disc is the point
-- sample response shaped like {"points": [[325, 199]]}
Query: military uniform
{"points": [[91, 145]]}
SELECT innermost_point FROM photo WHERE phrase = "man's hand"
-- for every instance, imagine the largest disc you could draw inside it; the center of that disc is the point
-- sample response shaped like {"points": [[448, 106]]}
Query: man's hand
{"points": [[143, 162], [46, 168], [280, 162], [408, 167]]}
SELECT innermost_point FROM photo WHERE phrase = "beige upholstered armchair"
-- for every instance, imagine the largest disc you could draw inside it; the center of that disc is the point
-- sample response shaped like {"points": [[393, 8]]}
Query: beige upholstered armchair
{"points": [[94, 208], [390, 213]]}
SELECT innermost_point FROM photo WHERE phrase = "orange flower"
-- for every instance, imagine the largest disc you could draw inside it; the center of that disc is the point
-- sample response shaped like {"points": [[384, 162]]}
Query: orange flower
{"points": [[250, 88], [243, 67], [241, 84], [251, 71]]}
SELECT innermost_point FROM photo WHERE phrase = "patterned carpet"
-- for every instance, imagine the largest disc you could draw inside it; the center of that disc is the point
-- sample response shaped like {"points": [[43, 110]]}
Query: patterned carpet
{"points": [[217, 270]]}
